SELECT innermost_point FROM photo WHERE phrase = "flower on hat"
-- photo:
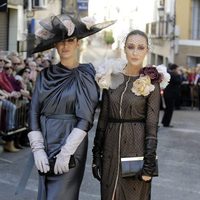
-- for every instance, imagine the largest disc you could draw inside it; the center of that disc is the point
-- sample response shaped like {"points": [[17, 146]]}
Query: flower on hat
{"points": [[70, 26], [44, 34], [58, 28], [88, 21]]}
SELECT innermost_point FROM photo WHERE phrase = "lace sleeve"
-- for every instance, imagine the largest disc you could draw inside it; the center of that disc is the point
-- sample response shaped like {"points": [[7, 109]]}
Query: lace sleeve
{"points": [[102, 124], [152, 118]]}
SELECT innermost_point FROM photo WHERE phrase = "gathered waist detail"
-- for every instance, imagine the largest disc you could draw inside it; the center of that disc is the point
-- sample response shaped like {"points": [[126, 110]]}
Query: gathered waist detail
{"points": [[60, 116], [114, 120]]}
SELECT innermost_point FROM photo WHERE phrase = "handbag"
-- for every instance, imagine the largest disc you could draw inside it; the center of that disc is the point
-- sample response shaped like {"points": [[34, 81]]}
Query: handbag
{"points": [[132, 166], [72, 164]]}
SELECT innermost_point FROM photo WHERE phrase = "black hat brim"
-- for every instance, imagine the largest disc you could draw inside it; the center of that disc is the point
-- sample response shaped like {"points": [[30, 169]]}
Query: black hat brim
{"points": [[80, 32]]}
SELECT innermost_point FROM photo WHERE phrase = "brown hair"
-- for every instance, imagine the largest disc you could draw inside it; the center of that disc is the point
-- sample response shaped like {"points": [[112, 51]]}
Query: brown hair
{"points": [[137, 32]]}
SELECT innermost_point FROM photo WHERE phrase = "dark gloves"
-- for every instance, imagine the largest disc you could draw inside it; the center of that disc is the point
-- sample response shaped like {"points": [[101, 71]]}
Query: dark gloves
{"points": [[97, 155], [97, 168], [150, 156]]}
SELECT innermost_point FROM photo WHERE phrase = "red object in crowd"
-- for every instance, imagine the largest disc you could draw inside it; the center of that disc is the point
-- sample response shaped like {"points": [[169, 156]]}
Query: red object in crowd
{"points": [[5, 83]]}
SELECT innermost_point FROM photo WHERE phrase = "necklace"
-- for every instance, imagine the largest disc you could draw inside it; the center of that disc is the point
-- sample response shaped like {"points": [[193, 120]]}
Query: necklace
{"points": [[129, 74], [124, 71]]}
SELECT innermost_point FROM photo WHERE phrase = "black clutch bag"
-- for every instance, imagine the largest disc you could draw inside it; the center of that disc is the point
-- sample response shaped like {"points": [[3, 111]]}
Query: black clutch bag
{"points": [[132, 166], [72, 164]]}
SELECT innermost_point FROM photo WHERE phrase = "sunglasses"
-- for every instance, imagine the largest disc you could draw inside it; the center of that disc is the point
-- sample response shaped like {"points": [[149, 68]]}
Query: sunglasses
{"points": [[16, 63], [27, 71], [2, 60], [7, 68]]}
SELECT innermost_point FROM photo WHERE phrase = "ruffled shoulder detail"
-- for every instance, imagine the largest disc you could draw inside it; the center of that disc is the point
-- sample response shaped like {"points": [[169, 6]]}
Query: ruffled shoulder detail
{"points": [[165, 76], [157, 74], [149, 76], [109, 73]]}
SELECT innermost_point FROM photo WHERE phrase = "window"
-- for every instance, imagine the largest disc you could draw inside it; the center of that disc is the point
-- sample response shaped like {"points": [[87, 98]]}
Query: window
{"points": [[39, 3], [196, 20]]}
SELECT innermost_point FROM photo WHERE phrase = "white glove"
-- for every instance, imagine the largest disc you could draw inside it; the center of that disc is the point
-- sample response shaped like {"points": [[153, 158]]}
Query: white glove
{"points": [[72, 142], [37, 145]]}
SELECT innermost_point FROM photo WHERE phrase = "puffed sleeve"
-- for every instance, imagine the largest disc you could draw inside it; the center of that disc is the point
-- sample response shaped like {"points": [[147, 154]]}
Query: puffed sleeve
{"points": [[151, 128], [34, 112], [102, 124], [87, 98]]}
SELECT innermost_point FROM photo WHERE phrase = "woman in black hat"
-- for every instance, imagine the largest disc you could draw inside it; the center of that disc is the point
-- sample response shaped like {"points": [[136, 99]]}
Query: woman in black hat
{"points": [[62, 109]]}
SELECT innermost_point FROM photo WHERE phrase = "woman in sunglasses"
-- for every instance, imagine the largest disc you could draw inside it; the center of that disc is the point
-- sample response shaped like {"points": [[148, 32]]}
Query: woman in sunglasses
{"points": [[128, 121]]}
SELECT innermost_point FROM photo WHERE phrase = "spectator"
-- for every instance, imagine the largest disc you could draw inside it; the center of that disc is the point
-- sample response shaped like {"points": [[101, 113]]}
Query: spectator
{"points": [[27, 87], [46, 63], [34, 72], [171, 93], [9, 71], [16, 62], [10, 115]]}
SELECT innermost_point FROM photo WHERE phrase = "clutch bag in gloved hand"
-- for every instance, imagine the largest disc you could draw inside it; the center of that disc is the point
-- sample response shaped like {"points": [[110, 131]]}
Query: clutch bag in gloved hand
{"points": [[132, 166], [72, 164]]}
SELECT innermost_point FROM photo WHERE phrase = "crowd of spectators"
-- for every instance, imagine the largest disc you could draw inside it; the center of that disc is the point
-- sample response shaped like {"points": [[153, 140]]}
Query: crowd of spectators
{"points": [[189, 94], [17, 80]]}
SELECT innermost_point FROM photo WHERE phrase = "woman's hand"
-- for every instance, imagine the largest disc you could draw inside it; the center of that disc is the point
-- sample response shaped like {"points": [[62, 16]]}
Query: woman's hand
{"points": [[146, 178], [96, 168]]}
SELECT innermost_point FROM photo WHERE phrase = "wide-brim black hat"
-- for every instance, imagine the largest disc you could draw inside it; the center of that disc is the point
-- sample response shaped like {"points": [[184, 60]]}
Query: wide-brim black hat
{"points": [[57, 28]]}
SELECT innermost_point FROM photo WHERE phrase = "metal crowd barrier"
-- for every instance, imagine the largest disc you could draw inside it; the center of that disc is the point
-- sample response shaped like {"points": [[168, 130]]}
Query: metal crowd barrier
{"points": [[21, 117]]}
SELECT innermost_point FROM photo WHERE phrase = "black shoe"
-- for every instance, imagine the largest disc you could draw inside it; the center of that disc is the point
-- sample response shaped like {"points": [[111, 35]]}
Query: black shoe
{"points": [[18, 145], [25, 144], [168, 126]]}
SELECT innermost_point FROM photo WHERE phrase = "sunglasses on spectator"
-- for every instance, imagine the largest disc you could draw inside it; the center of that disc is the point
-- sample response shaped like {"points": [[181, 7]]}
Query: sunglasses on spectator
{"points": [[2, 60], [16, 63], [7, 68], [27, 71]]}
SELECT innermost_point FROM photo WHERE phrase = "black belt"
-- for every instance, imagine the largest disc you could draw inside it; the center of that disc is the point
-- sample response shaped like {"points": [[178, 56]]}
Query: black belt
{"points": [[114, 120]]}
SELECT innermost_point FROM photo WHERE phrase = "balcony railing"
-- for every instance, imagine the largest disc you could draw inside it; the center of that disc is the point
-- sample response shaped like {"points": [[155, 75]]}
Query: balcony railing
{"points": [[158, 29]]}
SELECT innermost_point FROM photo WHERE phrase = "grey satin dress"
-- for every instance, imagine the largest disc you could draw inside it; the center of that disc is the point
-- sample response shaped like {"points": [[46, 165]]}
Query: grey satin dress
{"points": [[63, 99]]}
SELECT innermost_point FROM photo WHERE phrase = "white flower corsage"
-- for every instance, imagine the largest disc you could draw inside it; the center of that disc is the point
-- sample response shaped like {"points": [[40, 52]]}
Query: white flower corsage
{"points": [[165, 76], [107, 73], [142, 86]]}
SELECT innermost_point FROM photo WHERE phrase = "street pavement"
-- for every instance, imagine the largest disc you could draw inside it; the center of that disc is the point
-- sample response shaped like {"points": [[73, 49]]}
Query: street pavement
{"points": [[178, 157]]}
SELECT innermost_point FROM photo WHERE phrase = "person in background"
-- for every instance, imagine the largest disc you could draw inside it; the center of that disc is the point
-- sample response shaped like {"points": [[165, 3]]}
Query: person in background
{"points": [[23, 76], [34, 71], [171, 93], [9, 71], [8, 96], [62, 108], [128, 122], [46, 63], [16, 63]]}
